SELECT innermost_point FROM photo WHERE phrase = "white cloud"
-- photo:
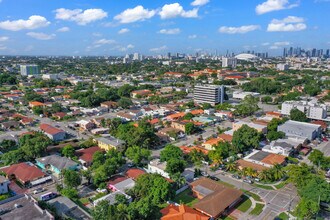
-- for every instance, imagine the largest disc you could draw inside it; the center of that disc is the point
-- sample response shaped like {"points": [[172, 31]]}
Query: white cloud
{"points": [[200, 2], [97, 34], [176, 10], [81, 17], [123, 31], [41, 36], [290, 23], [2, 47], [3, 38], [238, 30], [125, 48], [63, 29], [34, 22], [135, 14], [194, 36], [170, 31], [265, 44], [274, 47], [283, 43], [274, 5], [158, 49], [104, 41]]}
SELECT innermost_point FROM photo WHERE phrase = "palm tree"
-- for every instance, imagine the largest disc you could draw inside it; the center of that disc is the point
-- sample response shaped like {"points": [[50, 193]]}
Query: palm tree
{"points": [[122, 212], [231, 165], [278, 172], [251, 172], [244, 171], [264, 175]]}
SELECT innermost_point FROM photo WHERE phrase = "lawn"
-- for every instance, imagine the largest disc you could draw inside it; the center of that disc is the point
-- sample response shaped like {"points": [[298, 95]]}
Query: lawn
{"points": [[245, 204], [225, 218], [283, 216], [258, 209], [186, 198], [84, 200], [254, 196], [263, 186], [280, 185]]}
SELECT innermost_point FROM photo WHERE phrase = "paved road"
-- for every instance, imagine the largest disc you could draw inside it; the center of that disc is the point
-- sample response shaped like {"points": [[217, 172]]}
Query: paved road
{"points": [[324, 147]]}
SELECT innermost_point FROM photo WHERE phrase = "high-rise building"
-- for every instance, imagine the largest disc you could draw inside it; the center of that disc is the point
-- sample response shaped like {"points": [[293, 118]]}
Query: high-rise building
{"points": [[29, 69], [285, 52], [211, 94], [229, 62]]}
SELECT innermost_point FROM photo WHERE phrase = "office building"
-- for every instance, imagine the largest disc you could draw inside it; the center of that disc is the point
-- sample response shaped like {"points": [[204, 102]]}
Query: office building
{"points": [[229, 62], [27, 70], [282, 66], [300, 129], [312, 110], [211, 94]]}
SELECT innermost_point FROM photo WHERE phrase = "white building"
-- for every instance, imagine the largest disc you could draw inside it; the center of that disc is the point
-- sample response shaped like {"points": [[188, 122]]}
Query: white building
{"points": [[242, 95], [29, 69], [282, 66], [229, 62], [156, 166], [300, 129], [211, 94], [312, 110]]}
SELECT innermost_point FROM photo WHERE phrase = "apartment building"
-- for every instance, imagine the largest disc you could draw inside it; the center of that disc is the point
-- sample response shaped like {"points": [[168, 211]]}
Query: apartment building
{"points": [[211, 94], [312, 110]]}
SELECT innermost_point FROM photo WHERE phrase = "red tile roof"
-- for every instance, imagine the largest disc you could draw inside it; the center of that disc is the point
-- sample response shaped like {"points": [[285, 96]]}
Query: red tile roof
{"points": [[87, 154], [23, 172], [50, 129], [116, 179], [182, 212], [134, 173]]}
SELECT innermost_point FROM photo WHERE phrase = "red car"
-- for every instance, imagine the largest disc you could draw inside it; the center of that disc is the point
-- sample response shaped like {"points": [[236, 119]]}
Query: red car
{"points": [[324, 139]]}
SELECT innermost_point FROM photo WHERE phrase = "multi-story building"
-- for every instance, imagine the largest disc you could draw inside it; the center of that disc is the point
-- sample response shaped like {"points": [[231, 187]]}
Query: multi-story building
{"points": [[212, 94], [229, 62], [27, 70], [300, 129], [282, 66], [312, 110]]}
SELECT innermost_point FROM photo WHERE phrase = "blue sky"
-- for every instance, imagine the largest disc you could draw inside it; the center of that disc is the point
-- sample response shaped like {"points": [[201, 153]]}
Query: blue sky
{"points": [[113, 27]]}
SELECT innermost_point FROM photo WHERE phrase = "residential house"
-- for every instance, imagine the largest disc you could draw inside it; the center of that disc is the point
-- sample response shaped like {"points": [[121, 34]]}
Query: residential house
{"points": [[85, 156], [109, 105], [260, 128], [109, 142], [86, 125], [4, 183], [111, 198], [181, 212], [210, 193], [36, 104], [265, 159], [56, 163], [120, 183], [53, 133], [140, 93], [209, 144], [156, 166], [283, 147], [25, 173], [10, 125], [59, 115], [134, 173]]}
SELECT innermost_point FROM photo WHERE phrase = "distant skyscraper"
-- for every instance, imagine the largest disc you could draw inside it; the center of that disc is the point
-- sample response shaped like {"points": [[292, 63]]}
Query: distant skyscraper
{"points": [[29, 69], [285, 52]]}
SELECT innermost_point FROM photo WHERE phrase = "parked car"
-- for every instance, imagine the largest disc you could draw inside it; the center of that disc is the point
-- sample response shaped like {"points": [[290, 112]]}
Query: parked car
{"points": [[204, 173], [324, 139], [101, 190], [257, 179], [248, 181], [236, 176], [39, 190], [130, 165], [214, 178]]}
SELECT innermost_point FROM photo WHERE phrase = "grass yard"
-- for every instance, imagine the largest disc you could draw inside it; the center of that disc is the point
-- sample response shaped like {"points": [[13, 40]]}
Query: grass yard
{"points": [[226, 218], [84, 200], [258, 209], [283, 216], [254, 196], [186, 198], [245, 204], [280, 185], [263, 186]]}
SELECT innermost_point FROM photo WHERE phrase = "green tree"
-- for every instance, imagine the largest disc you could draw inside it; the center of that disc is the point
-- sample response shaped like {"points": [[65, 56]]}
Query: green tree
{"points": [[68, 151], [245, 138], [247, 107], [297, 115], [231, 165], [307, 209], [72, 179], [190, 128], [38, 110], [137, 154], [70, 193], [125, 102], [196, 156], [316, 157], [274, 135], [220, 152], [188, 116], [170, 151], [175, 166], [103, 211]]}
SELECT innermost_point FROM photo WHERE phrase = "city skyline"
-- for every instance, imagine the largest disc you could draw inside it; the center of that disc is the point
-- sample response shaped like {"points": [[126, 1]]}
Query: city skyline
{"points": [[108, 28]]}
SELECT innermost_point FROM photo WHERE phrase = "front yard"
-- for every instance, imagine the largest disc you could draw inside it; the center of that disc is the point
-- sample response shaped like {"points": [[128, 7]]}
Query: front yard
{"points": [[185, 197]]}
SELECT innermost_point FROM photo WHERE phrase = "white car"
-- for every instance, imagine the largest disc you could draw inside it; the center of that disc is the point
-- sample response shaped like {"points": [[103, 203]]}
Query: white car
{"points": [[39, 190], [101, 190]]}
